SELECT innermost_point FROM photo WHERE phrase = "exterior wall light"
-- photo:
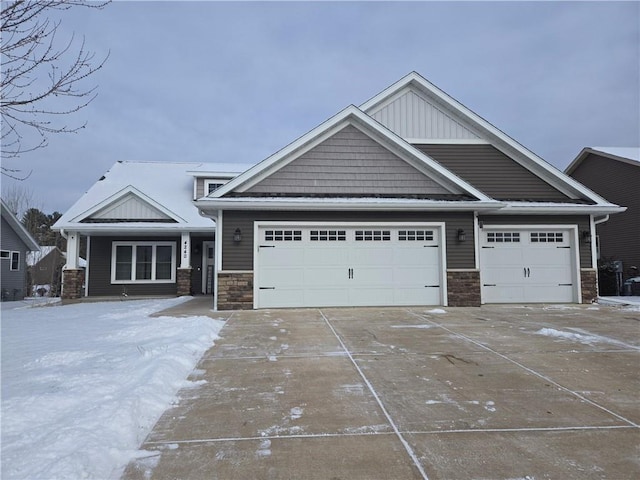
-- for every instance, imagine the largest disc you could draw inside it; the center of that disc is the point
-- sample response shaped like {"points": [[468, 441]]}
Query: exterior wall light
{"points": [[462, 236], [586, 236], [237, 236]]}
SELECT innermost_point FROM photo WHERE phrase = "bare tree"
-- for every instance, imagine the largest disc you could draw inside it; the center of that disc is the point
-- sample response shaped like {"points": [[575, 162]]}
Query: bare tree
{"points": [[18, 198], [42, 79]]}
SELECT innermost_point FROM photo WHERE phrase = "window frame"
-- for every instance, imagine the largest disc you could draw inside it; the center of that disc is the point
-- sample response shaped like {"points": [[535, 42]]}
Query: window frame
{"points": [[5, 254], [154, 261], [213, 181], [14, 259]]}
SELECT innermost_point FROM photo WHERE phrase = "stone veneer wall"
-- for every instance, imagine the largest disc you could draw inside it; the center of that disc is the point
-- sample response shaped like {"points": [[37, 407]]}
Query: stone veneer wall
{"points": [[589, 285], [235, 290], [72, 282], [183, 280], [463, 288]]}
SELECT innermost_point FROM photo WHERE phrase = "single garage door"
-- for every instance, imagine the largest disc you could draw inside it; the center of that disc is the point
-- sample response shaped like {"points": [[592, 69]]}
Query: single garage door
{"points": [[528, 265], [347, 265]]}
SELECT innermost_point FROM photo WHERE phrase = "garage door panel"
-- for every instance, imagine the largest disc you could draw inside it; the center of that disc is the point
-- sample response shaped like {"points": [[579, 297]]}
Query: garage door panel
{"points": [[346, 265], [527, 265]]}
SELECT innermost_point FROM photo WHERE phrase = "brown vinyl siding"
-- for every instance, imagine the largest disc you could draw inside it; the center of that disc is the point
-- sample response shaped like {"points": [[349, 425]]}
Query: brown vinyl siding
{"points": [[100, 269], [240, 256], [583, 223], [493, 172], [619, 183], [348, 163]]}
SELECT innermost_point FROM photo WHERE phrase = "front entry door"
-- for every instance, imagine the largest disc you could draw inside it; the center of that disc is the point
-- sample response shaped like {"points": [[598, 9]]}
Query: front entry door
{"points": [[208, 267]]}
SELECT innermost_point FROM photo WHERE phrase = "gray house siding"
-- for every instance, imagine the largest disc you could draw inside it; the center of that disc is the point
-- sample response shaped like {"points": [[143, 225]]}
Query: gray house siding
{"points": [[13, 281], [582, 222], [348, 163], [619, 183], [493, 172], [240, 256], [100, 270]]}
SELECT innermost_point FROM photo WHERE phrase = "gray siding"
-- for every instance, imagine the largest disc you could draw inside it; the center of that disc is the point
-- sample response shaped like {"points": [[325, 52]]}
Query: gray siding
{"points": [[492, 172], [13, 281], [100, 270], [619, 183], [240, 256], [348, 163], [583, 223]]}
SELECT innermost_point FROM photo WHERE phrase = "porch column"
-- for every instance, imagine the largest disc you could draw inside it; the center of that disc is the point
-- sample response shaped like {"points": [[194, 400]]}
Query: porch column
{"points": [[184, 271], [72, 274]]}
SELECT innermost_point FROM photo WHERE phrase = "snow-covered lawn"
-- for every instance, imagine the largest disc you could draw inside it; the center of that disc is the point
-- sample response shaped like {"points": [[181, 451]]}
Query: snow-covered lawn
{"points": [[82, 385]]}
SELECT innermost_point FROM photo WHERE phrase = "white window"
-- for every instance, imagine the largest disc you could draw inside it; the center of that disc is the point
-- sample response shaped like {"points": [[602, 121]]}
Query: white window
{"points": [[15, 260], [5, 254], [143, 262], [213, 184]]}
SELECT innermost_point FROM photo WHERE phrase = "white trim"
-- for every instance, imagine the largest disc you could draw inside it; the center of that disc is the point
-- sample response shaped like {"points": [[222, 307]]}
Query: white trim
{"points": [[440, 226], [86, 270], [11, 261], [185, 250], [594, 249], [133, 246], [548, 208], [476, 240], [215, 181], [206, 244], [5, 254], [218, 257], [572, 231], [120, 195], [447, 141], [346, 203]]}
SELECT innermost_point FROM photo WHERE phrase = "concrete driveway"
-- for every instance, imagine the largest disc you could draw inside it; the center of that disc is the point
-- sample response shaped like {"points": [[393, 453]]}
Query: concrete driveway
{"points": [[540, 392]]}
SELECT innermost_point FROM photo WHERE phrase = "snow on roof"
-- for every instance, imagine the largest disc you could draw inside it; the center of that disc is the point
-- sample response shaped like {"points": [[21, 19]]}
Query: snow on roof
{"points": [[630, 153], [35, 257], [170, 184]]}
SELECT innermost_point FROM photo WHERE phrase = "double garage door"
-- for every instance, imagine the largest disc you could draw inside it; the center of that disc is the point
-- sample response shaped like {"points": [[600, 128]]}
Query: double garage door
{"points": [[536, 264], [348, 265]]}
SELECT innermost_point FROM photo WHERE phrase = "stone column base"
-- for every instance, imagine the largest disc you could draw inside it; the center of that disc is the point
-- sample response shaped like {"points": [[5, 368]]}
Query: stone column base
{"points": [[72, 283], [184, 282], [589, 285], [235, 290], [463, 288]]}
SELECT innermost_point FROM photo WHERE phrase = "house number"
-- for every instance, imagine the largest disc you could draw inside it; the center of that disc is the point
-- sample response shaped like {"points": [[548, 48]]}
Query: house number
{"points": [[185, 250]]}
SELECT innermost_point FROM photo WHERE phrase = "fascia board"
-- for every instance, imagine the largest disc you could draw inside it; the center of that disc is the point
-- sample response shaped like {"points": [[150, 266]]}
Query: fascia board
{"points": [[354, 116], [208, 204], [562, 182], [517, 208], [120, 195], [130, 228]]}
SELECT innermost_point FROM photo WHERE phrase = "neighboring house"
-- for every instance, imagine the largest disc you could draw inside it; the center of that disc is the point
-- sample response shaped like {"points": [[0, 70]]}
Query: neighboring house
{"points": [[16, 242], [45, 270], [614, 173], [409, 199]]}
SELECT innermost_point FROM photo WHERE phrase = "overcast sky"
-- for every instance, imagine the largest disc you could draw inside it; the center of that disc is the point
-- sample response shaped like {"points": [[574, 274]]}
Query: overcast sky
{"points": [[235, 82]]}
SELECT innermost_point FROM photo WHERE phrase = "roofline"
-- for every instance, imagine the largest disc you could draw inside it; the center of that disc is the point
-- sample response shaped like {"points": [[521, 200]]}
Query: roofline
{"points": [[558, 179], [208, 205], [542, 208], [591, 150], [20, 229], [351, 113], [132, 228]]}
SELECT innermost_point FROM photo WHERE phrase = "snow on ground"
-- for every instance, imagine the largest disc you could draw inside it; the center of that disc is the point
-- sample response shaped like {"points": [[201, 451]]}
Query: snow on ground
{"points": [[586, 338], [83, 384]]}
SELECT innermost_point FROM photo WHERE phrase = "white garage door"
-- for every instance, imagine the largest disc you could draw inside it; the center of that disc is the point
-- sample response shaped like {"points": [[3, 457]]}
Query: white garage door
{"points": [[528, 265], [346, 265]]}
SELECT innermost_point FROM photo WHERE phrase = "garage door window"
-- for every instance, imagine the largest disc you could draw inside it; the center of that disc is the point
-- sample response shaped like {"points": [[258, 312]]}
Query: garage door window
{"points": [[373, 235], [283, 235], [546, 237], [415, 235], [503, 237], [328, 235]]}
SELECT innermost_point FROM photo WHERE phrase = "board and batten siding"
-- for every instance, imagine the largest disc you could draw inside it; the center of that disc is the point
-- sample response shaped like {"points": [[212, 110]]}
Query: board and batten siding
{"points": [[494, 173], [412, 116], [583, 223], [240, 256], [348, 163], [100, 269]]}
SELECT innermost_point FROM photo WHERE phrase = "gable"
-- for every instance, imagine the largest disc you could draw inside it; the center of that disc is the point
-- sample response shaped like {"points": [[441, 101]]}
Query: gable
{"points": [[128, 208], [349, 163], [493, 172], [412, 116]]}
